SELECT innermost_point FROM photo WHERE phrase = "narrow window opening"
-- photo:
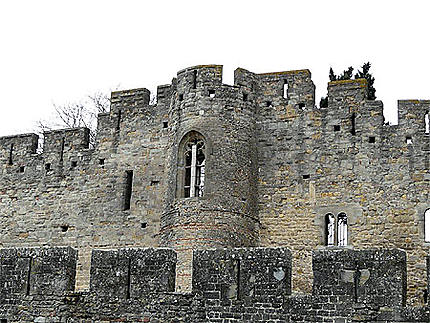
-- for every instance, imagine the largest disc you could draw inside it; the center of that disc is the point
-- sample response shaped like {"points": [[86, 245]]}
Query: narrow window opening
{"points": [[165, 124], [306, 176], [64, 228], [285, 90], [143, 225], [21, 169], [62, 150], [155, 182], [11, 155], [245, 97], [128, 279], [194, 179], [118, 121], [48, 167], [238, 279], [269, 104], [101, 161], [302, 106], [427, 225], [211, 93], [329, 229], [342, 230], [128, 189], [3, 320], [426, 296], [409, 140], [427, 122], [194, 79], [181, 97], [30, 260], [353, 124], [336, 127], [372, 140], [74, 163]]}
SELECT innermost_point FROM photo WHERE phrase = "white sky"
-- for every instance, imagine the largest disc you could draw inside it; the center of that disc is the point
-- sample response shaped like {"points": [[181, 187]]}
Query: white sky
{"points": [[61, 51]]}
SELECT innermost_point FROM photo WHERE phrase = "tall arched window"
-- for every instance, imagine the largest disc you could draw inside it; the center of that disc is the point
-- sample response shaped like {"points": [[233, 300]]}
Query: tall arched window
{"points": [[342, 229], [427, 225], [329, 229], [192, 162]]}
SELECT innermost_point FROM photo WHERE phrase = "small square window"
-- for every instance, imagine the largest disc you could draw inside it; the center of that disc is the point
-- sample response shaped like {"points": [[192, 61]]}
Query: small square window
{"points": [[302, 105], [64, 228], [21, 169], [74, 163], [101, 161], [245, 97], [409, 140], [336, 127], [48, 167], [372, 140], [165, 124], [306, 176], [143, 225], [211, 93], [269, 104], [181, 97]]}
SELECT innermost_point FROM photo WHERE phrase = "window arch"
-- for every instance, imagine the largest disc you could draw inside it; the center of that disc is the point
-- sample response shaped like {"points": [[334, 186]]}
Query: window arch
{"points": [[427, 225], [342, 230], [192, 163], [329, 229], [336, 229]]}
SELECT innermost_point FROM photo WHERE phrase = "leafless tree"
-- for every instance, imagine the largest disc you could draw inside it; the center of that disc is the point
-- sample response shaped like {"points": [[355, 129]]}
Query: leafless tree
{"points": [[77, 114]]}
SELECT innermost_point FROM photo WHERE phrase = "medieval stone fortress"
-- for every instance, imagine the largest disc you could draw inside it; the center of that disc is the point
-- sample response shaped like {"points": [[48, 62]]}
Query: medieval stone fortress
{"points": [[221, 203]]}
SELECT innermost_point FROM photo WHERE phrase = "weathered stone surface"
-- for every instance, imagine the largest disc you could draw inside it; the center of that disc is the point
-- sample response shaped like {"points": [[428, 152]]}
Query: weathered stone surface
{"points": [[276, 165]]}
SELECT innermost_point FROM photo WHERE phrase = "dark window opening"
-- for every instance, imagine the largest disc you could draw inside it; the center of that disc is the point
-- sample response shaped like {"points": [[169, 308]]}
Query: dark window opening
{"points": [[64, 228], [3, 320], [336, 127], [181, 97], [353, 124], [128, 279], [128, 189], [30, 260], [426, 296], [285, 90], [194, 79], [11, 155], [143, 225], [245, 97], [21, 169], [211, 93], [268, 104], [62, 150], [302, 106], [165, 124], [409, 140], [372, 140], [48, 166], [118, 121], [155, 182], [306, 176], [427, 123], [101, 161], [74, 163]]}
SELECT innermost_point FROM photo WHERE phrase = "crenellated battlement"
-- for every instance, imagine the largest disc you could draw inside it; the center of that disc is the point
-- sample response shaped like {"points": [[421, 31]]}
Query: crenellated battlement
{"points": [[211, 165], [249, 284]]}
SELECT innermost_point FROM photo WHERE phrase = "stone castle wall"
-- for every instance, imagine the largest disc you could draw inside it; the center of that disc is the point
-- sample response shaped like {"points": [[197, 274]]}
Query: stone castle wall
{"points": [[229, 285], [276, 165]]}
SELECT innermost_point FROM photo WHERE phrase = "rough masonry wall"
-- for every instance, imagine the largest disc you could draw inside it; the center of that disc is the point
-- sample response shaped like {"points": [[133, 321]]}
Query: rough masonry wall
{"points": [[230, 285], [71, 195], [276, 165], [344, 159]]}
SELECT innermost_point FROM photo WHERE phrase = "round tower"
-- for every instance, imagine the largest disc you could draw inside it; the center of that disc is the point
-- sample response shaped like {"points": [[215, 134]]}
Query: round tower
{"points": [[211, 199]]}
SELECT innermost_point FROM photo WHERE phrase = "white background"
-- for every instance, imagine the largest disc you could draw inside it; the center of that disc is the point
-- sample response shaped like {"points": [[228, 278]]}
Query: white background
{"points": [[61, 51]]}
